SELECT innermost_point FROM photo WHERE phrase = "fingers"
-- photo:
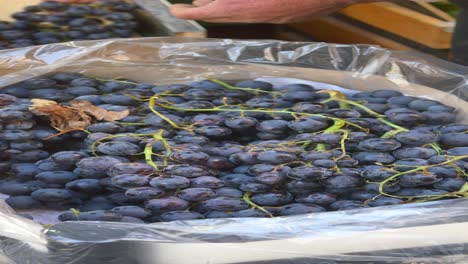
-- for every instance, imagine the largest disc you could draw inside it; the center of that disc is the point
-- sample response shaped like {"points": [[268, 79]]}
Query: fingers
{"points": [[73, 1], [184, 11], [202, 2]]}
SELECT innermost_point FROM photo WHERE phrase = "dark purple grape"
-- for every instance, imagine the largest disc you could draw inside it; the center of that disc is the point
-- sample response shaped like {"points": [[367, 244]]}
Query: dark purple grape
{"points": [[363, 195], [144, 193], [244, 158], [180, 216], [341, 182], [51, 195], [295, 87], [15, 135], [317, 198], [379, 144], [81, 90], [454, 139], [206, 182], [218, 214], [414, 152], [387, 188], [96, 167], [254, 187], [316, 155], [24, 146], [273, 126], [100, 215], [25, 171], [228, 192], [56, 177], [377, 173], [275, 157], [409, 164], [225, 204], [131, 168], [241, 123], [249, 213], [105, 127], [307, 125], [213, 131], [302, 187], [296, 96], [23, 202], [346, 205], [129, 180], [188, 171], [418, 179], [235, 180], [385, 93], [30, 156], [170, 182], [118, 148], [373, 157], [272, 199], [190, 157], [309, 173], [310, 108], [85, 185], [439, 118], [444, 171], [265, 86], [459, 151], [298, 208], [20, 188], [219, 163], [132, 211], [166, 204], [384, 201], [406, 119], [451, 184], [196, 194]]}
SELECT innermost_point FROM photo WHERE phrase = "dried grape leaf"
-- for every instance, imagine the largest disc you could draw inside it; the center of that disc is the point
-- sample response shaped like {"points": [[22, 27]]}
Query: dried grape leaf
{"points": [[77, 116], [97, 112]]}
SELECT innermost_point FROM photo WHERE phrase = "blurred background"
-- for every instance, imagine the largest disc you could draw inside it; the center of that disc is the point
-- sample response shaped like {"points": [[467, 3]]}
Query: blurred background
{"points": [[399, 24]]}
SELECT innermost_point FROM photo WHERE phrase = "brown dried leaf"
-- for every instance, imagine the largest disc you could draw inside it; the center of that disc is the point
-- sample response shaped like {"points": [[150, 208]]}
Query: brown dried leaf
{"points": [[97, 112], [78, 116]]}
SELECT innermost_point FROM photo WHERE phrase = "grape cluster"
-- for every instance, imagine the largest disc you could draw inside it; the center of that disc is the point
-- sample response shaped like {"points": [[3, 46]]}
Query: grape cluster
{"points": [[53, 22], [210, 149]]}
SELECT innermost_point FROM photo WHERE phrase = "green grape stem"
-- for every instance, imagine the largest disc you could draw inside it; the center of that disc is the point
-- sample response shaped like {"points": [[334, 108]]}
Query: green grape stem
{"points": [[338, 124], [396, 128], [259, 110], [250, 90], [246, 198], [168, 151], [344, 137], [152, 103], [393, 177]]}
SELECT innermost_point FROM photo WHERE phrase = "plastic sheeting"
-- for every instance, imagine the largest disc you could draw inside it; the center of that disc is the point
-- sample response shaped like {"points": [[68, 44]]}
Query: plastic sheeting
{"points": [[435, 232]]}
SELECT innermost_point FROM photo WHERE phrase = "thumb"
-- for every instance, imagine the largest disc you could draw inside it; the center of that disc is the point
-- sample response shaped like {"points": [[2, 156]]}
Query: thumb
{"points": [[185, 11]]}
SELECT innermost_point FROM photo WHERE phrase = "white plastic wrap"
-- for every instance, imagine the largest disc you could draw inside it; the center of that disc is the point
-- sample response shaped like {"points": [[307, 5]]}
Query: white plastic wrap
{"points": [[435, 232]]}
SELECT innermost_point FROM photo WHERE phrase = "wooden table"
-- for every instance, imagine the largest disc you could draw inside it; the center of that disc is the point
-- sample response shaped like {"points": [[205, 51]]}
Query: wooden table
{"points": [[390, 25]]}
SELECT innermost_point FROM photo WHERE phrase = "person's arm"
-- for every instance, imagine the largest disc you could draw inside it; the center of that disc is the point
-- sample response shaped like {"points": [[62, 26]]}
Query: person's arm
{"points": [[258, 11]]}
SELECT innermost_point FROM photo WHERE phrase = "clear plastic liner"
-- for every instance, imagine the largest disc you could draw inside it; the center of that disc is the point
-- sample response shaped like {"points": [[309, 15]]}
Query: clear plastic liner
{"points": [[435, 232]]}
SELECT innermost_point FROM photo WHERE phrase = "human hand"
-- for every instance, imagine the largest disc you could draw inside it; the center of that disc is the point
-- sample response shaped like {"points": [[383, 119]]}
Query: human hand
{"points": [[73, 1], [258, 11]]}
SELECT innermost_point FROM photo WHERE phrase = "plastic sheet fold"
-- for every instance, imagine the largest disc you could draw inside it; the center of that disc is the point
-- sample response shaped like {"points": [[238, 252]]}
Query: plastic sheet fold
{"points": [[435, 232]]}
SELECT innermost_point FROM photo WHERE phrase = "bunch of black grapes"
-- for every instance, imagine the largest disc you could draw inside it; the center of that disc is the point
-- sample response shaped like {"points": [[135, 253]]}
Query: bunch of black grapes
{"points": [[210, 149], [53, 22]]}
